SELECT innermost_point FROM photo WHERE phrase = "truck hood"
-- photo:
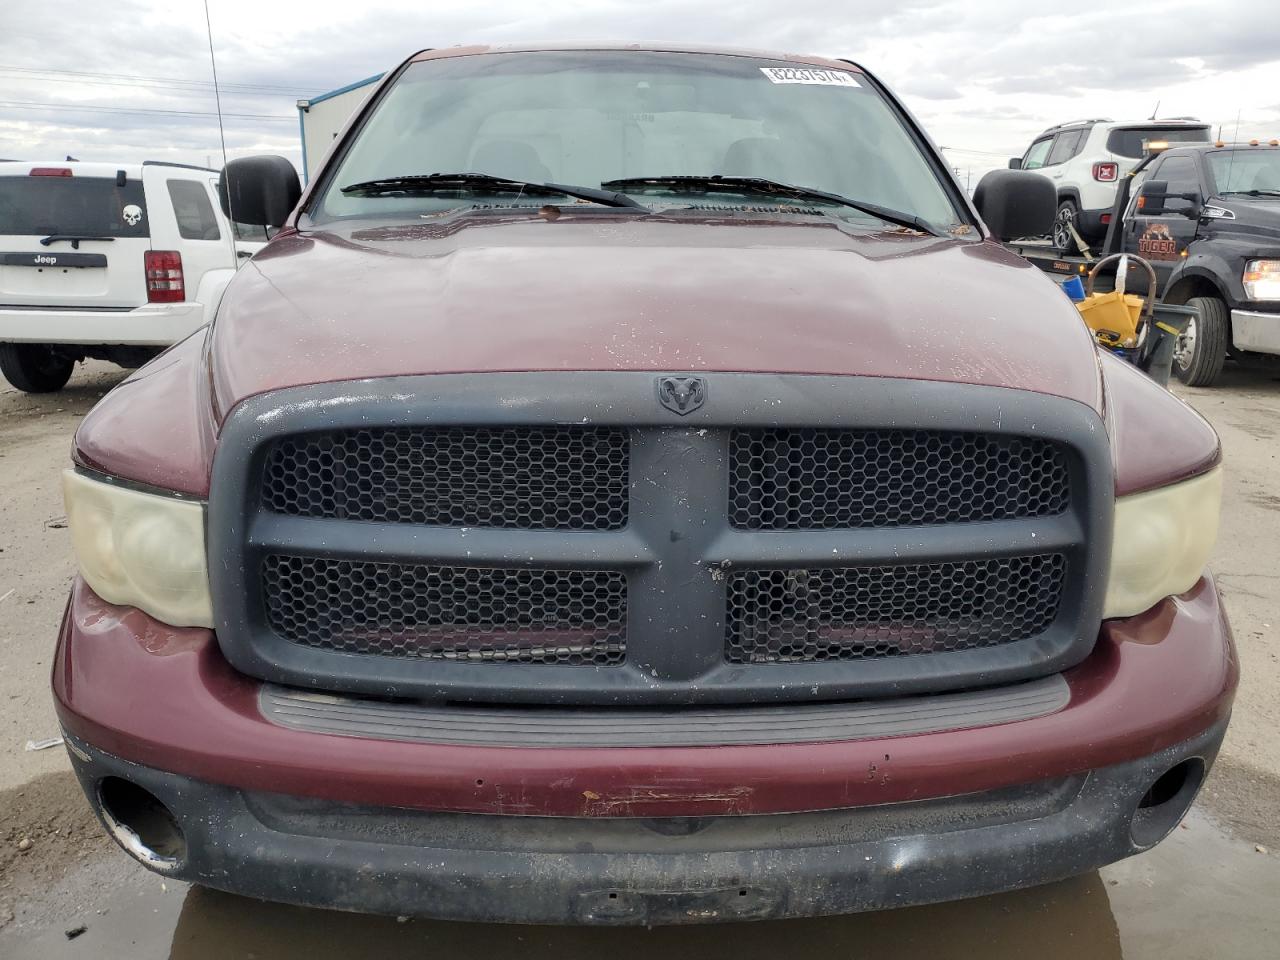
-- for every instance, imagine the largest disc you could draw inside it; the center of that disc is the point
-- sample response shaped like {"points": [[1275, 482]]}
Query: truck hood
{"points": [[1254, 219], [617, 292]]}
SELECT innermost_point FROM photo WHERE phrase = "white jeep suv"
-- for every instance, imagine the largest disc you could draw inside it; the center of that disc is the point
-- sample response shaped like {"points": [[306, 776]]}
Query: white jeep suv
{"points": [[1085, 159], [114, 261]]}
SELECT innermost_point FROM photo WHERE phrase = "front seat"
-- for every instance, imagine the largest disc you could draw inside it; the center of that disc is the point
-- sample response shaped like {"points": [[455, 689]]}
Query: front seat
{"points": [[755, 157], [510, 158]]}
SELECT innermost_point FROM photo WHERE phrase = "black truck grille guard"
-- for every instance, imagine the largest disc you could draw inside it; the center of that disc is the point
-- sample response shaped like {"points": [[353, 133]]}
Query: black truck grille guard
{"points": [[563, 539]]}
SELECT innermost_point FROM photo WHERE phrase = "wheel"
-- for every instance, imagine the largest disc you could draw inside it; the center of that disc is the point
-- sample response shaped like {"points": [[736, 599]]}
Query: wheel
{"points": [[35, 367], [1063, 241], [1201, 349]]}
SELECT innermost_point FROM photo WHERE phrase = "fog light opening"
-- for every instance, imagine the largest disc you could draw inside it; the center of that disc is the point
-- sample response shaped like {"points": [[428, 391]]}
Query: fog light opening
{"points": [[1166, 802], [141, 824]]}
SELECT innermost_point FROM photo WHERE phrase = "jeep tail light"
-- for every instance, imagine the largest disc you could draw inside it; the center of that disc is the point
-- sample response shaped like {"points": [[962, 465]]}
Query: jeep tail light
{"points": [[1106, 172], [1106, 219], [164, 276], [50, 172]]}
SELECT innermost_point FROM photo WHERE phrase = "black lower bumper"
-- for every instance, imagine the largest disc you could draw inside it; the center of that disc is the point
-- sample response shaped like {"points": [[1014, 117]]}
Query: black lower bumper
{"points": [[660, 870]]}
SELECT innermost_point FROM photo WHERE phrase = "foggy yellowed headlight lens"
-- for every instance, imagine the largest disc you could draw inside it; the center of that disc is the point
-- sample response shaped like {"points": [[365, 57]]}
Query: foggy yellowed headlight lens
{"points": [[140, 549], [1162, 542]]}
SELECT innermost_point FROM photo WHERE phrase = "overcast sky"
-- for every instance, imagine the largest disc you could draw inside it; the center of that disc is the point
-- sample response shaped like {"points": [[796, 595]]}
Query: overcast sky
{"points": [[129, 79]]}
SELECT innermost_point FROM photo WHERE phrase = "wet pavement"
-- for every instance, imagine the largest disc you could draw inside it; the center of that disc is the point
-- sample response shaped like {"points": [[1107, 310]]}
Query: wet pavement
{"points": [[1200, 894]]}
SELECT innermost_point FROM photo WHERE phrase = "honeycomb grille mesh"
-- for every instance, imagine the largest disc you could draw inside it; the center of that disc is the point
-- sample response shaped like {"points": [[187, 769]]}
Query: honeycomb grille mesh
{"points": [[554, 478], [467, 614], [810, 478], [862, 613]]}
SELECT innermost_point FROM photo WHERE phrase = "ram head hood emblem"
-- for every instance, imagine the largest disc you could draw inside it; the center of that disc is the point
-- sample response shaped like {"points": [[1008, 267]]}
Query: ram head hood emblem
{"points": [[682, 395]]}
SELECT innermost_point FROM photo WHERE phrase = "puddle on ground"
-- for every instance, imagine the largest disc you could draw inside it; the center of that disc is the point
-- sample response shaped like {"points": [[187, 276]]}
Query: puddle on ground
{"points": [[1200, 894]]}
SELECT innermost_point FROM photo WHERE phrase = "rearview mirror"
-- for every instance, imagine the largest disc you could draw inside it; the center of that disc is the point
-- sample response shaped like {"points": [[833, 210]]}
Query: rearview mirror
{"points": [[1015, 163], [1016, 204], [259, 190]]}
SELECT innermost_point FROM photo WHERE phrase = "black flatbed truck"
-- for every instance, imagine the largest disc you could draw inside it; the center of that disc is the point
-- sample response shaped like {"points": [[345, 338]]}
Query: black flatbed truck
{"points": [[1207, 218]]}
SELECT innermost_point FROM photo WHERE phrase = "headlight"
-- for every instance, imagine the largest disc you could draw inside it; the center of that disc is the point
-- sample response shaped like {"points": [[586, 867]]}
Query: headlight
{"points": [[1262, 279], [1162, 542], [140, 549]]}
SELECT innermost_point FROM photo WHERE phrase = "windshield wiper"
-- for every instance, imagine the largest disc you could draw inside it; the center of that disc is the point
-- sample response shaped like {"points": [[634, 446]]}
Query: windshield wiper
{"points": [[776, 188], [1249, 193], [429, 183], [73, 238]]}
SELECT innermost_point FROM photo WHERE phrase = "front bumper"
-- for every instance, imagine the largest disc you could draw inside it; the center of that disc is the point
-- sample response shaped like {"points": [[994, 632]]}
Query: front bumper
{"points": [[1255, 331], [152, 325], [659, 870], [640, 834]]}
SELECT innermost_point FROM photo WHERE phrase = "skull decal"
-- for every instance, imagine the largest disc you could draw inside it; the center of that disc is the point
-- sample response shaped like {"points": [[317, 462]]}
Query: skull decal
{"points": [[132, 214]]}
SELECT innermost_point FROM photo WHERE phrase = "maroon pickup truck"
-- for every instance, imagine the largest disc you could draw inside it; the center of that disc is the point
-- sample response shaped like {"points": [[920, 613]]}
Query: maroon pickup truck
{"points": [[636, 486]]}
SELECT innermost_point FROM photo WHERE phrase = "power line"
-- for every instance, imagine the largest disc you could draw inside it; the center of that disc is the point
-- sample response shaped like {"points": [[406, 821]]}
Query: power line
{"points": [[130, 76], [981, 153], [35, 105], [243, 91]]}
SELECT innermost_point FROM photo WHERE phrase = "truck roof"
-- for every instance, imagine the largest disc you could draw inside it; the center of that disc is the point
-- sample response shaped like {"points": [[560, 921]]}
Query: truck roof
{"points": [[473, 50]]}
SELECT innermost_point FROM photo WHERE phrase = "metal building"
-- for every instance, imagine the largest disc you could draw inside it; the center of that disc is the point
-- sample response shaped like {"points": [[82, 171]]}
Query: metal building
{"points": [[320, 119]]}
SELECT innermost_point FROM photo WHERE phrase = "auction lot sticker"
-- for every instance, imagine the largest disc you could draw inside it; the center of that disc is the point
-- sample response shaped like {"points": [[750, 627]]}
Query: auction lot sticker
{"points": [[814, 75]]}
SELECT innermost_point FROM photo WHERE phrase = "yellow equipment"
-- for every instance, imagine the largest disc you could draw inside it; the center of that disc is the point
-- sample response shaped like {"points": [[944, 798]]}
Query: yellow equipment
{"points": [[1117, 318]]}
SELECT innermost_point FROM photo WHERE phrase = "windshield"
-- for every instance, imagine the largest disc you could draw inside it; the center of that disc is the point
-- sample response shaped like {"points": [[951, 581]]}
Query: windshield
{"points": [[590, 117], [1245, 170], [84, 206]]}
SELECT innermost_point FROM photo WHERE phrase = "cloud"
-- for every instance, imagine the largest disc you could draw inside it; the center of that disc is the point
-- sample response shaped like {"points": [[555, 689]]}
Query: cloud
{"points": [[928, 88], [985, 75]]}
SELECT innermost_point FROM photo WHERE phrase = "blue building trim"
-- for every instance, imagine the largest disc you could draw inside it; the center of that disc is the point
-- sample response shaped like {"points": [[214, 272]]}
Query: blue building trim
{"points": [[347, 89]]}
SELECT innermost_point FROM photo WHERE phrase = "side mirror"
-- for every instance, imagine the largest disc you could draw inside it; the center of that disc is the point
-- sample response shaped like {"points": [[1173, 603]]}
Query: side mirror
{"points": [[1016, 204], [1151, 197], [1154, 199], [259, 190], [1015, 163]]}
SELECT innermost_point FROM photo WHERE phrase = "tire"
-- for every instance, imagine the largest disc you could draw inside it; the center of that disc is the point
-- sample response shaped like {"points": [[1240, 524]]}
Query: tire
{"points": [[35, 367], [1063, 241], [1200, 351]]}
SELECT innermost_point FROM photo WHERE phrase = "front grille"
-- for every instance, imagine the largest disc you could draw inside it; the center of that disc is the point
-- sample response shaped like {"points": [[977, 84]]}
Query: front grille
{"points": [[827, 479], [467, 614], [562, 539], [554, 478], [861, 613]]}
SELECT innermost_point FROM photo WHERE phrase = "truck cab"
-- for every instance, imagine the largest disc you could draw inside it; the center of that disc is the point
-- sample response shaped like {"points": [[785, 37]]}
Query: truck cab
{"points": [[111, 261], [1207, 218]]}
